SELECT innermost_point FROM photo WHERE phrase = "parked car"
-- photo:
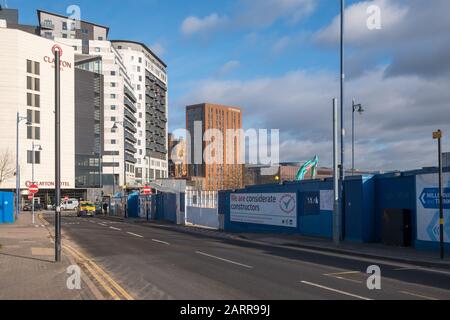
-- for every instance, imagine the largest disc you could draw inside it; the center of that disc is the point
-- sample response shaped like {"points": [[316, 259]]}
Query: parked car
{"points": [[29, 207], [86, 209], [70, 205]]}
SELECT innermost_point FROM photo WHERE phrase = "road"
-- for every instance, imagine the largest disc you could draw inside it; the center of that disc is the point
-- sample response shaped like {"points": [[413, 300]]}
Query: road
{"points": [[159, 263]]}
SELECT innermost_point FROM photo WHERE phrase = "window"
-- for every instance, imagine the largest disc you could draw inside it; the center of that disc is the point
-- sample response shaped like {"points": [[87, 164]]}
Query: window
{"points": [[37, 157], [30, 116], [113, 73], [37, 117], [100, 38], [37, 69], [140, 60], [29, 99], [64, 36], [29, 83], [37, 101], [64, 25], [113, 141], [113, 107], [37, 85], [113, 119], [140, 78], [33, 133], [113, 84], [29, 66], [113, 96], [97, 49]]}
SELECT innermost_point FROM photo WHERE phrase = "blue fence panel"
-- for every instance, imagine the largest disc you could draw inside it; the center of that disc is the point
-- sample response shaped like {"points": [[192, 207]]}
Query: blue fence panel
{"points": [[6, 207]]}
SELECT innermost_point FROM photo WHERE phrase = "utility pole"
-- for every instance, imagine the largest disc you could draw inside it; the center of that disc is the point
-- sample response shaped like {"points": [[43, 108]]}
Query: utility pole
{"points": [[18, 120], [359, 108], [57, 155], [438, 136], [336, 215], [342, 80]]}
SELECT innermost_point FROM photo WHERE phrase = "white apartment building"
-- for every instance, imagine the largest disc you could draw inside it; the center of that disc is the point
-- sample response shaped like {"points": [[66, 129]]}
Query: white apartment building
{"points": [[27, 86], [149, 80], [120, 133], [135, 99]]}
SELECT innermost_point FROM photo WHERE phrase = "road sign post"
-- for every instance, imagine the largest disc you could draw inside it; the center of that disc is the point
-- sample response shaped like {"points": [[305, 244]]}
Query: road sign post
{"points": [[438, 136]]}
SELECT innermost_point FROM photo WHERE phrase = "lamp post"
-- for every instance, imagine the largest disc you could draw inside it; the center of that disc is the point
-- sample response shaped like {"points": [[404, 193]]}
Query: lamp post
{"points": [[438, 136], [114, 128], [341, 165], [355, 108], [33, 154], [19, 119]]}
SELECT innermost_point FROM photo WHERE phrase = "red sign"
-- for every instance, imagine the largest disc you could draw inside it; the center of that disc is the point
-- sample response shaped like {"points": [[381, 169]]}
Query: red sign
{"points": [[30, 197], [33, 189], [147, 190]]}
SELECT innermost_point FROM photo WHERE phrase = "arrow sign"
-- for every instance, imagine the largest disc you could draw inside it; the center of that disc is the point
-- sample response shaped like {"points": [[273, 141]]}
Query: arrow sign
{"points": [[434, 231], [430, 198]]}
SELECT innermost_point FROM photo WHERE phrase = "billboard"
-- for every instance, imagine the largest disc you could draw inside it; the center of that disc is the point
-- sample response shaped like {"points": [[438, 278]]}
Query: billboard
{"points": [[273, 209], [427, 205]]}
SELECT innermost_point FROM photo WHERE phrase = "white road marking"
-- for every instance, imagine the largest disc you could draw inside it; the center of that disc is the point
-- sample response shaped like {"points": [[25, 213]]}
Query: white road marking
{"points": [[341, 273], [103, 225], [117, 229], [225, 260], [159, 241], [134, 234], [417, 295], [335, 290]]}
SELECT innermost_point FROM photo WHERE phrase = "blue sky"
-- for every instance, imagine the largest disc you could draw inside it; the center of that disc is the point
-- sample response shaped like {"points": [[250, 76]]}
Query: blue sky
{"points": [[279, 61]]}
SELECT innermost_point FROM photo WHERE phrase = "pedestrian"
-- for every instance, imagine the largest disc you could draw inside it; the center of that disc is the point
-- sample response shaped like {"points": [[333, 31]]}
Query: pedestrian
{"points": [[105, 208]]}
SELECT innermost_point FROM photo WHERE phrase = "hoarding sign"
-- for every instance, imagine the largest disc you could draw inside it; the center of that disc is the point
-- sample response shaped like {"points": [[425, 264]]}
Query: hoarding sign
{"points": [[311, 203], [427, 206], [274, 209]]}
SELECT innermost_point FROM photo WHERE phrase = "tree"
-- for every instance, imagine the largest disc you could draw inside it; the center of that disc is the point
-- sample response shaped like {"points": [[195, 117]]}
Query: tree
{"points": [[7, 169]]}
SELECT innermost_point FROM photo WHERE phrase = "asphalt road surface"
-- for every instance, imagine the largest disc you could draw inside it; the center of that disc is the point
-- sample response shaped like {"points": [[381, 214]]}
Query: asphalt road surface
{"points": [[159, 263]]}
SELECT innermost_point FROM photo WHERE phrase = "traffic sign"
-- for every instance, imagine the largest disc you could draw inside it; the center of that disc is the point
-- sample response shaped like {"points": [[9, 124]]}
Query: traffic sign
{"points": [[147, 190], [33, 188], [30, 197]]}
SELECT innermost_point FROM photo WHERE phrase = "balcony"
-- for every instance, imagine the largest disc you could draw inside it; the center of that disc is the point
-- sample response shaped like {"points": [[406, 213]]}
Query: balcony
{"points": [[130, 116], [130, 137], [127, 102], [129, 147], [128, 125], [130, 158]]}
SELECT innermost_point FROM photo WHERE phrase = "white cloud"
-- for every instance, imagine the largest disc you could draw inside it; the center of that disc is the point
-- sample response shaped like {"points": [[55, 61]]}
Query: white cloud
{"points": [[263, 13], [158, 49], [192, 25], [228, 67]]}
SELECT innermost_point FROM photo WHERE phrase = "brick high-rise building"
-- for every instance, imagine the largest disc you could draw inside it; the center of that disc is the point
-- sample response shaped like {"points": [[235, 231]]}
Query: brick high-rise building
{"points": [[215, 176]]}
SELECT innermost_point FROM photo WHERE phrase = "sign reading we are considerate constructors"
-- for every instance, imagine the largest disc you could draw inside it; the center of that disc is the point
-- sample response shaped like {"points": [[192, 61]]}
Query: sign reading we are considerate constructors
{"points": [[274, 209]]}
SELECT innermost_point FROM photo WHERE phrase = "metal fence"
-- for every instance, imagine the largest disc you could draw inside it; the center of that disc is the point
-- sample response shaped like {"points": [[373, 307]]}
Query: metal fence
{"points": [[201, 199]]}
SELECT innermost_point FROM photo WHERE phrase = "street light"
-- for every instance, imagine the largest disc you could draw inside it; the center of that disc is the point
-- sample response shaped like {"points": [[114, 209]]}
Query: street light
{"points": [[34, 146], [114, 128], [355, 108], [18, 121]]}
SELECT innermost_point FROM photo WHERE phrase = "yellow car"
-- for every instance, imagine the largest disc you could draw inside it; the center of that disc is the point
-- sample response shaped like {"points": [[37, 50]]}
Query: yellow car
{"points": [[86, 208]]}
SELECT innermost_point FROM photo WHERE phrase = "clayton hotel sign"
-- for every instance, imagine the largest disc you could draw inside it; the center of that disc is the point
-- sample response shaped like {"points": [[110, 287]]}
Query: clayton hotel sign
{"points": [[62, 63]]}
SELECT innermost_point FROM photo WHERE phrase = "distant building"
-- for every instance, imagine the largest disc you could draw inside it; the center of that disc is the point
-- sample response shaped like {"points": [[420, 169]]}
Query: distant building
{"points": [[446, 160], [177, 147], [212, 177], [254, 174]]}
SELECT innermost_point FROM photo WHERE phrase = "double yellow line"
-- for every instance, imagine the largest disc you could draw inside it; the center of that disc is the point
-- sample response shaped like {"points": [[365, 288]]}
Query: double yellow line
{"points": [[102, 277]]}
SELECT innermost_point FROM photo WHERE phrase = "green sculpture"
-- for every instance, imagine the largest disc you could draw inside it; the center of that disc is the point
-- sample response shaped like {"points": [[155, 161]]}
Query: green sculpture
{"points": [[310, 166]]}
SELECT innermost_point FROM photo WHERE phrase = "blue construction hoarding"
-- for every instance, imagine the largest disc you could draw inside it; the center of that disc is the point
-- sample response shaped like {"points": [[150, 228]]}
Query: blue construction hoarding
{"points": [[269, 208], [6, 207]]}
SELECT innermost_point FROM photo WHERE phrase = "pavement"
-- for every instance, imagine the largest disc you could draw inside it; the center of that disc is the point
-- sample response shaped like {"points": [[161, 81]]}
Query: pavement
{"points": [[28, 270], [154, 261]]}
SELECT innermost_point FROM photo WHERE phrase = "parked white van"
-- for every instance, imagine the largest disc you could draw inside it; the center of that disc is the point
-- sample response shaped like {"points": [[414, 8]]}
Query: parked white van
{"points": [[70, 204]]}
